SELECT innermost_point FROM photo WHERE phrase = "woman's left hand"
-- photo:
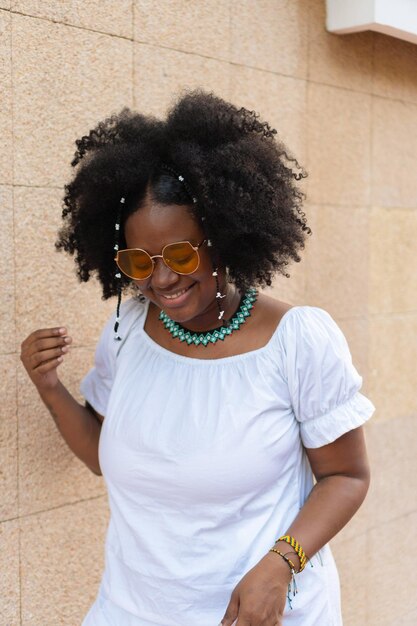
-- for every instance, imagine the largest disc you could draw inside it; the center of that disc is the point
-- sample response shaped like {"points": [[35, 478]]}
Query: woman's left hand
{"points": [[259, 598]]}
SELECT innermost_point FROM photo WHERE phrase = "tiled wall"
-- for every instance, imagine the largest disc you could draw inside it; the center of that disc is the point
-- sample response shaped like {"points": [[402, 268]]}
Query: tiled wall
{"points": [[347, 107]]}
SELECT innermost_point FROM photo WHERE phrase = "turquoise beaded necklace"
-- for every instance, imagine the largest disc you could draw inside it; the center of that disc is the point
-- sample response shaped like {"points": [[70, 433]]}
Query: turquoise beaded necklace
{"points": [[211, 336]]}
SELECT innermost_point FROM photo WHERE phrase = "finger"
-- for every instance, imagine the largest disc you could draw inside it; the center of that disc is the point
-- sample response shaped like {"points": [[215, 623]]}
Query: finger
{"points": [[230, 616], [39, 358], [45, 344], [49, 365], [241, 621], [43, 333]]}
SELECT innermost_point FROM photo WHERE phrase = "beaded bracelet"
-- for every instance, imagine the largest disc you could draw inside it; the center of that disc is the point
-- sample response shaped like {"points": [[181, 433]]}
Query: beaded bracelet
{"points": [[298, 550], [293, 572]]}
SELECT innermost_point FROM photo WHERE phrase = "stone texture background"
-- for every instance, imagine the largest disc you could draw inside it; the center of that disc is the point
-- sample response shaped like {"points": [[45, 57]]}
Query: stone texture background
{"points": [[347, 107]]}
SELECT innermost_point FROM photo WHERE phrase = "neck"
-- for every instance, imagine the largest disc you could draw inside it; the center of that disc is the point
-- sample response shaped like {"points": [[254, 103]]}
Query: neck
{"points": [[208, 320]]}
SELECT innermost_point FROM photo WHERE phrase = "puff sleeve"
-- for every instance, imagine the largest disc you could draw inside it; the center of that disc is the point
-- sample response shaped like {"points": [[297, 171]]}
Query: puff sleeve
{"points": [[322, 381], [96, 386]]}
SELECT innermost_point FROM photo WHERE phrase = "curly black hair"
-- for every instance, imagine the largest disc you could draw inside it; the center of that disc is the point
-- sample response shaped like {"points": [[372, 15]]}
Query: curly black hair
{"points": [[242, 177]]}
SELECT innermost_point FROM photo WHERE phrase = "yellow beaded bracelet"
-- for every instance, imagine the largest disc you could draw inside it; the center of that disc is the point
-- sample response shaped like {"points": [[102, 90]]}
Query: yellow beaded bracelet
{"points": [[297, 548]]}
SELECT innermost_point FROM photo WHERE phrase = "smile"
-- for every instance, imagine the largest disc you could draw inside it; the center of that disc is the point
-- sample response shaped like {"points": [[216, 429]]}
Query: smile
{"points": [[176, 295], [176, 298]]}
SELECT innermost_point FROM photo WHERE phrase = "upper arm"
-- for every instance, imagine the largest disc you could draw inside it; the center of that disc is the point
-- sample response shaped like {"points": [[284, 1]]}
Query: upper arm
{"points": [[346, 456]]}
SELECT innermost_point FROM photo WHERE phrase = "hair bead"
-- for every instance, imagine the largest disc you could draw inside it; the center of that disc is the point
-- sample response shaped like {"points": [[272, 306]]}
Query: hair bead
{"points": [[118, 274]]}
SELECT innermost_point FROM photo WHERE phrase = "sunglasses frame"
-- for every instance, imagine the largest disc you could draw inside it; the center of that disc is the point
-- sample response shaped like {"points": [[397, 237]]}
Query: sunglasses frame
{"points": [[161, 256]]}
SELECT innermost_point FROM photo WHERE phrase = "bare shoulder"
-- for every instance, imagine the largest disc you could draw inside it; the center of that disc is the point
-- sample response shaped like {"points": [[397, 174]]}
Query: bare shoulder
{"points": [[272, 308], [270, 311]]}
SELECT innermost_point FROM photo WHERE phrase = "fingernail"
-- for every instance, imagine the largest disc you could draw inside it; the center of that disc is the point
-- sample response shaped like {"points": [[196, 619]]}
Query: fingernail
{"points": [[67, 339], [62, 331]]}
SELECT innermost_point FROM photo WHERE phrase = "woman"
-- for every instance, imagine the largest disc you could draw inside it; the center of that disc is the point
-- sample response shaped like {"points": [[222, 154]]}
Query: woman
{"points": [[211, 406]]}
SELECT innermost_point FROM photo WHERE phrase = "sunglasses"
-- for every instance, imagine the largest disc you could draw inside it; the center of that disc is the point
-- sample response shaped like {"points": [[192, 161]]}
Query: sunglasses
{"points": [[181, 257]]}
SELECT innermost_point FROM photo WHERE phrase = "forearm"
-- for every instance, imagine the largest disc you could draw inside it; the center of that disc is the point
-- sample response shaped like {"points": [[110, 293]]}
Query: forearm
{"points": [[331, 504], [77, 425]]}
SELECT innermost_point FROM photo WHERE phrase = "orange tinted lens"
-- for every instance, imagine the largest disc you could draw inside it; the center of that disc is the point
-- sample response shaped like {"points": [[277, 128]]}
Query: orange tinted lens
{"points": [[135, 263], [181, 257]]}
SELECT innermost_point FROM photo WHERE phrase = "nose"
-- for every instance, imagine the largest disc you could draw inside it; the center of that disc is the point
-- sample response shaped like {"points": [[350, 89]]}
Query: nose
{"points": [[163, 277]]}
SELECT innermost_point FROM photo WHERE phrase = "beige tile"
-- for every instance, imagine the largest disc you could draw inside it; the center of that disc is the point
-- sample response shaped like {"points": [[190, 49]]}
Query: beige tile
{"points": [[291, 290], [341, 60], [339, 124], [409, 619], [392, 362], [352, 562], [65, 81], [393, 491], [63, 554], [199, 27], [6, 153], [392, 254], [161, 75], [394, 154], [8, 438], [395, 63], [337, 268], [9, 579], [100, 15], [391, 588], [280, 100], [272, 36], [7, 272], [5, 4], [51, 295], [50, 475]]}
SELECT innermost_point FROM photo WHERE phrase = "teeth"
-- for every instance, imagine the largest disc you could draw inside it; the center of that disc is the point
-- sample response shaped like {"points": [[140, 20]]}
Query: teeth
{"points": [[176, 295]]}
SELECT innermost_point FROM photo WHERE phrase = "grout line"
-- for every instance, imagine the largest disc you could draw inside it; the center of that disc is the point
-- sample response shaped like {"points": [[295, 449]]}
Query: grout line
{"points": [[133, 56], [393, 315], [15, 318], [306, 273], [386, 522], [25, 186], [230, 85], [53, 508], [63, 23]]}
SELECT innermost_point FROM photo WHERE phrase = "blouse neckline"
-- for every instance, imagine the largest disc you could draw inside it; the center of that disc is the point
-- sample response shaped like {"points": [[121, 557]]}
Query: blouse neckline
{"points": [[226, 359]]}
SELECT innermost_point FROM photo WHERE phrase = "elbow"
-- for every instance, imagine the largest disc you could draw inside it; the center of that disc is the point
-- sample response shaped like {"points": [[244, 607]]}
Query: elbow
{"points": [[359, 485], [95, 469], [366, 481]]}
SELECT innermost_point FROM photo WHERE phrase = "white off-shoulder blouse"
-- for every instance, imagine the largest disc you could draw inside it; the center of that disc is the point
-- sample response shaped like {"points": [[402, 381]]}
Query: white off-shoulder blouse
{"points": [[205, 466]]}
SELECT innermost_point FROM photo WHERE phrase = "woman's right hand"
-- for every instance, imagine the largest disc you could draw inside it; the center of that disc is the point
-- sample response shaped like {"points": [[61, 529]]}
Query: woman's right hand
{"points": [[41, 354]]}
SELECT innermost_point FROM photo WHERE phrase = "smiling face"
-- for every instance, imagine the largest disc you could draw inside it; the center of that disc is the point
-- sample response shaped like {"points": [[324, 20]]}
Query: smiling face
{"points": [[182, 297]]}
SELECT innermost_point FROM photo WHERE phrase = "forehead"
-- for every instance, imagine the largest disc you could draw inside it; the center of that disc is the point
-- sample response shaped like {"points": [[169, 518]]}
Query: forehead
{"points": [[154, 225]]}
